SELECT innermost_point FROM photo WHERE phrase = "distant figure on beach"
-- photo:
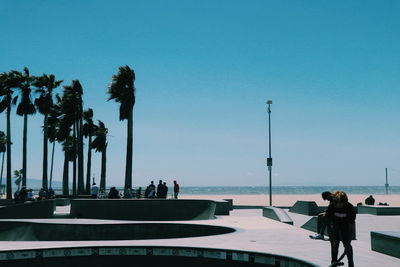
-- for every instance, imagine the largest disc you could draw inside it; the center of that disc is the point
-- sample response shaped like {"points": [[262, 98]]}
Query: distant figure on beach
{"points": [[95, 190], [370, 200], [128, 192], [31, 195], [343, 216], [114, 193], [150, 190], [322, 220], [51, 194], [165, 190], [176, 189], [42, 194], [160, 189], [101, 194], [139, 192]]}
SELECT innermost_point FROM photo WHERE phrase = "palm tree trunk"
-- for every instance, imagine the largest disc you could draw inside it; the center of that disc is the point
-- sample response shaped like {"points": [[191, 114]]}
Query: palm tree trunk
{"points": [[1, 173], [45, 143], [103, 168], [81, 187], [52, 161], [129, 147], [74, 165], [9, 189], [89, 165], [24, 143], [65, 175]]}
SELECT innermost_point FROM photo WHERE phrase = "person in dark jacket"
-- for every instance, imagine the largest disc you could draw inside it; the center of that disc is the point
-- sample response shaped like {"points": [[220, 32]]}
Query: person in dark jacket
{"points": [[322, 220], [342, 215]]}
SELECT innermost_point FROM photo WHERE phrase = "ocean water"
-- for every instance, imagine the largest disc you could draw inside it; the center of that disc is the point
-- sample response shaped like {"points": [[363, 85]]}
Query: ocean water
{"points": [[284, 190]]}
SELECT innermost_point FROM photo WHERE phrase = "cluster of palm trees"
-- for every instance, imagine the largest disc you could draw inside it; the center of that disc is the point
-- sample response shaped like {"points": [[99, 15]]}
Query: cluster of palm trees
{"points": [[64, 121]]}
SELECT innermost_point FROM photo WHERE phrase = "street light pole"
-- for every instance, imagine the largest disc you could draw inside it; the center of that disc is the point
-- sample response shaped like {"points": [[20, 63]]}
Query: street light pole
{"points": [[269, 159]]}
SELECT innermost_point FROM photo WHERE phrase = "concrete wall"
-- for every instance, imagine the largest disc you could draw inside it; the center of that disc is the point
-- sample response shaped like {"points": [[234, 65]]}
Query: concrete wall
{"points": [[386, 242], [36, 209], [305, 207], [34, 231], [144, 256], [143, 209], [378, 210]]}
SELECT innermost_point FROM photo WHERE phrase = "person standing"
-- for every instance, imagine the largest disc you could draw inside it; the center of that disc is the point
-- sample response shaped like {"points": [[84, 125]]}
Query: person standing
{"points": [[95, 190], [176, 189], [322, 220], [343, 216], [160, 190]]}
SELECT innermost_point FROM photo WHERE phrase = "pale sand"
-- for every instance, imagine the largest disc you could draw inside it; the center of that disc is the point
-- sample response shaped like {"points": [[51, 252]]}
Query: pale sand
{"points": [[290, 200]]}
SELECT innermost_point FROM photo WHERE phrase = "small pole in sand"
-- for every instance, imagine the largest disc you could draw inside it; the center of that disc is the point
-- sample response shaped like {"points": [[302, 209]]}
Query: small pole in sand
{"points": [[269, 159], [387, 185]]}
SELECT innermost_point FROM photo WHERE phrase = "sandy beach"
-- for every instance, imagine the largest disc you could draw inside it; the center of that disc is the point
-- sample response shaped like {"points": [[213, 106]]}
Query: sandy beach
{"points": [[290, 200]]}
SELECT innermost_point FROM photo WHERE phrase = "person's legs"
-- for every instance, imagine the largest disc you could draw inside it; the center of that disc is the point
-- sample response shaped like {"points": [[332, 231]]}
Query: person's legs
{"points": [[346, 239], [334, 240]]}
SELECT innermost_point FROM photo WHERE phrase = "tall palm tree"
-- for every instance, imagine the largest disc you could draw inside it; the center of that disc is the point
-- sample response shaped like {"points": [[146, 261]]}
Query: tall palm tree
{"points": [[122, 90], [53, 124], [88, 131], [100, 145], [71, 108], [8, 82], [46, 85], [3, 149], [25, 108]]}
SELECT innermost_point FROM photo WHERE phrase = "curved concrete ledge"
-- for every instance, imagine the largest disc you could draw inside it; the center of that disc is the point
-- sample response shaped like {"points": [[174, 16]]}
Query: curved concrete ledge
{"points": [[386, 242], [144, 256], [378, 210], [309, 208], [277, 214], [36, 209], [33, 231], [143, 209]]}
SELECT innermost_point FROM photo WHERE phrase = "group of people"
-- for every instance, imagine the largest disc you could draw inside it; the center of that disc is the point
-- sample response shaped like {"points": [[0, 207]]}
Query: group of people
{"points": [[151, 191], [161, 191], [339, 221], [24, 194]]}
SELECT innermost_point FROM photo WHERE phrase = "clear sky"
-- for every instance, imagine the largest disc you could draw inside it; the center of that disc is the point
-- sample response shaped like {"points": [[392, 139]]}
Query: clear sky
{"points": [[204, 71]]}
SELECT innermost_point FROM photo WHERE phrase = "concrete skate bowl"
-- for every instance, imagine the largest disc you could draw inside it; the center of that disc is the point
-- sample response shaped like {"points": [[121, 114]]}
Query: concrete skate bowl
{"points": [[143, 257], [143, 209], [37, 231]]}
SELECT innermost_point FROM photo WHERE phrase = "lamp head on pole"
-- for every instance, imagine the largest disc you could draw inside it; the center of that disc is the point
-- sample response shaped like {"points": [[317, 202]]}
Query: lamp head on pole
{"points": [[269, 102]]}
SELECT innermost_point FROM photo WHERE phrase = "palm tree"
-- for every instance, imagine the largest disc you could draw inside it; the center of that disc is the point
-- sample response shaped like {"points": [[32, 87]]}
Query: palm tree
{"points": [[46, 85], [25, 108], [100, 145], [88, 131], [3, 142], [8, 81], [71, 109], [18, 176], [53, 123], [122, 90]]}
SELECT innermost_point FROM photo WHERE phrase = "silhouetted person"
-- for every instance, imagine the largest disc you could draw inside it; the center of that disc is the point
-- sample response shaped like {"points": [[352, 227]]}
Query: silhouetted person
{"points": [[22, 196], [176, 189], [42, 194], [370, 200], [165, 190], [128, 192], [323, 220], [342, 215], [150, 190], [139, 192], [113, 194], [31, 196], [94, 190], [50, 193], [160, 189]]}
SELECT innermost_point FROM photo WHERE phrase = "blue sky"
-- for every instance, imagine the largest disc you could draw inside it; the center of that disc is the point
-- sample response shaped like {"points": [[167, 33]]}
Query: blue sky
{"points": [[204, 71]]}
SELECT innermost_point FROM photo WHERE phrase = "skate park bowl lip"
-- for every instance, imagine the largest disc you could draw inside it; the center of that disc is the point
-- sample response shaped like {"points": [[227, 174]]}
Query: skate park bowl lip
{"points": [[143, 209], [39, 231], [145, 256]]}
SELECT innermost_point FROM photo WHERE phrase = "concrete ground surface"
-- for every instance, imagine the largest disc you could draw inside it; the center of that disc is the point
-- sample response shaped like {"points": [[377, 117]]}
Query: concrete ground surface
{"points": [[254, 233]]}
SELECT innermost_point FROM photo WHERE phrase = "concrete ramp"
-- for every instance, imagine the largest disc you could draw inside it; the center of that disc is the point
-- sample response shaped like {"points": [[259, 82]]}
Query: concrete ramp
{"points": [[32, 210], [309, 208], [378, 210], [143, 209], [311, 224], [386, 242], [277, 214]]}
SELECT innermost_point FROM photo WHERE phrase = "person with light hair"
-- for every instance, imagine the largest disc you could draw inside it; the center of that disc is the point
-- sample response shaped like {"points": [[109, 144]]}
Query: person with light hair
{"points": [[342, 215]]}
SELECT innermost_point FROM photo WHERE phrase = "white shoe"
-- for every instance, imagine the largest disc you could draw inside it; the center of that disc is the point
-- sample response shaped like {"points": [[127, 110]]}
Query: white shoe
{"points": [[317, 236]]}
